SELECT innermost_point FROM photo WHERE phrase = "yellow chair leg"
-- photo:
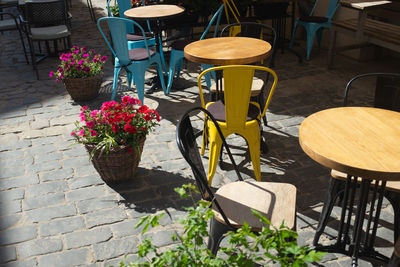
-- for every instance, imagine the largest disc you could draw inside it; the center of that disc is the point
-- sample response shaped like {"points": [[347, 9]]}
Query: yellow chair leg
{"points": [[253, 140], [214, 151]]}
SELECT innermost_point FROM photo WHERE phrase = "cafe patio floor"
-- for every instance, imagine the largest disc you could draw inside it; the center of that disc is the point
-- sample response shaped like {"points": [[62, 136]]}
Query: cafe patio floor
{"points": [[56, 211]]}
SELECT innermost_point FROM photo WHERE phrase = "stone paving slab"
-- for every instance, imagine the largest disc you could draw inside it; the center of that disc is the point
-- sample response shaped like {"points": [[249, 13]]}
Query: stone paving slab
{"points": [[56, 211]]}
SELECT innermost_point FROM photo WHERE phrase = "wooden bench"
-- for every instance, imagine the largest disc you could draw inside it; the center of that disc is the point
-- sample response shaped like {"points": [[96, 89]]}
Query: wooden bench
{"points": [[374, 32]]}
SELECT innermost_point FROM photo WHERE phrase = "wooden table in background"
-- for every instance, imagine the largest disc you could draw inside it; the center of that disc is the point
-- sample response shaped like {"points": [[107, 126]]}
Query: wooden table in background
{"points": [[228, 51], [362, 142]]}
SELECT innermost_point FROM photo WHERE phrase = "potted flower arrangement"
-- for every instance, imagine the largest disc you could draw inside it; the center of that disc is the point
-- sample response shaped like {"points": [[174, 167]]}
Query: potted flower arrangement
{"points": [[81, 72], [114, 136]]}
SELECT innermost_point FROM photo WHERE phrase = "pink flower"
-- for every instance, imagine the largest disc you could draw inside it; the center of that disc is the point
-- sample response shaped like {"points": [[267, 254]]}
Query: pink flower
{"points": [[81, 132], [103, 58], [94, 113], [84, 108], [73, 133], [93, 132], [80, 62], [85, 55], [51, 74], [90, 124]]}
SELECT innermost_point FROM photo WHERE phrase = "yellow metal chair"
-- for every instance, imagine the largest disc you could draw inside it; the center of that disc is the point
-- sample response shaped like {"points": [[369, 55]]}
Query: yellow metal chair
{"points": [[235, 113]]}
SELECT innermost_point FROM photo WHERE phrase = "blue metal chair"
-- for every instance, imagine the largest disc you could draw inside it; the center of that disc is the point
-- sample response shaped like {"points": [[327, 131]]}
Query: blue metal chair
{"points": [[177, 53], [133, 61], [315, 25], [135, 39]]}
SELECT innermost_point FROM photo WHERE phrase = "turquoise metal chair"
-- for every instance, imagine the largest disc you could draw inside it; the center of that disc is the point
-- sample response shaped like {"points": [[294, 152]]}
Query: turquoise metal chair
{"points": [[135, 39], [177, 53], [315, 25], [133, 61]]}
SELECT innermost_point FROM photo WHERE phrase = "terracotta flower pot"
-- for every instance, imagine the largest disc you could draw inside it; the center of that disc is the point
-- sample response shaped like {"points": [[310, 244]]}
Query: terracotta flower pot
{"points": [[83, 89], [119, 164]]}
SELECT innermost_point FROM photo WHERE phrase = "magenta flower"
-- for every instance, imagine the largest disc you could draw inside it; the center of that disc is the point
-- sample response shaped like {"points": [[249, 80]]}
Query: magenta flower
{"points": [[81, 132], [103, 59], [51, 74], [93, 132], [85, 55], [90, 124], [94, 113]]}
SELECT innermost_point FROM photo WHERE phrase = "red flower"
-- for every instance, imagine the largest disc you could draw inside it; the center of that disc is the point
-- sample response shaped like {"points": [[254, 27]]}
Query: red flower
{"points": [[143, 109], [115, 128], [130, 129], [147, 117]]}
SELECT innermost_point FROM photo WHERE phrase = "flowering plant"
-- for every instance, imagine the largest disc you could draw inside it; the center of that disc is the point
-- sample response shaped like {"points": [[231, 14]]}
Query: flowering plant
{"points": [[115, 124], [79, 63]]}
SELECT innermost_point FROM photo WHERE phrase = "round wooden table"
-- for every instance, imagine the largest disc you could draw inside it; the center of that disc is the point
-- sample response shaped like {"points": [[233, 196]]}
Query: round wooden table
{"points": [[364, 143], [227, 50], [154, 12]]}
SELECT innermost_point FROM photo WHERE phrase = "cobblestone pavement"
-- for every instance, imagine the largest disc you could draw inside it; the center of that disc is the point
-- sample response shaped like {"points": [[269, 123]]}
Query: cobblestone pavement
{"points": [[56, 211]]}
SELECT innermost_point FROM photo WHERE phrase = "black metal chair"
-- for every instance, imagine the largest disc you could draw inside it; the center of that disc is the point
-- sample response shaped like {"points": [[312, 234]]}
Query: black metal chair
{"points": [[46, 21], [232, 203], [387, 96], [259, 31], [395, 259], [12, 24]]}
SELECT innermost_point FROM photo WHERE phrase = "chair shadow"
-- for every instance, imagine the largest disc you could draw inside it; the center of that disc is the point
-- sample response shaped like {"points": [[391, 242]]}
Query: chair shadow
{"points": [[152, 190]]}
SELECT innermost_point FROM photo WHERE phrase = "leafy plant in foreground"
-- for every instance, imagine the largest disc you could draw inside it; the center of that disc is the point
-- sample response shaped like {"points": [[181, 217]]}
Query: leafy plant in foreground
{"points": [[245, 248]]}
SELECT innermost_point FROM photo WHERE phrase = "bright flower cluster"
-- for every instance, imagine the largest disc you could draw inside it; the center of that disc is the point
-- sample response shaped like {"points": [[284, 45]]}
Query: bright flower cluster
{"points": [[79, 63], [115, 124]]}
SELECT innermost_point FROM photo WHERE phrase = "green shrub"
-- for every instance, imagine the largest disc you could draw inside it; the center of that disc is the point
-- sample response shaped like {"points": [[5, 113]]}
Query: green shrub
{"points": [[245, 248]]}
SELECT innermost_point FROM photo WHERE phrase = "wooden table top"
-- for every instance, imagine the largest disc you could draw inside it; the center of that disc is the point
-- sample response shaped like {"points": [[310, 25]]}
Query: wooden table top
{"points": [[360, 141], [363, 4], [153, 12], [227, 50]]}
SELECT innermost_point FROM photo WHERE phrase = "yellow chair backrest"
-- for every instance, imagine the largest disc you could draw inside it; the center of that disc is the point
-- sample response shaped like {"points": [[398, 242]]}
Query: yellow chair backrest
{"points": [[238, 80]]}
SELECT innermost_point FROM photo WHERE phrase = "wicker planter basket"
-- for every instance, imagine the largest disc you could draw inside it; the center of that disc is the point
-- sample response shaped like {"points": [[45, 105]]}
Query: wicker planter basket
{"points": [[82, 89], [119, 164]]}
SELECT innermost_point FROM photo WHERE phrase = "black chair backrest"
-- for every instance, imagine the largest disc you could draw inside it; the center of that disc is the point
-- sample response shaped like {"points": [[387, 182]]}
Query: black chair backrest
{"points": [[255, 30], [46, 13], [186, 140], [387, 92]]}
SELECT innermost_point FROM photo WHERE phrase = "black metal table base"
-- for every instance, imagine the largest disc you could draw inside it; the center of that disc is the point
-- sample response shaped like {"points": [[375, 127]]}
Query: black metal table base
{"points": [[360, 244]]}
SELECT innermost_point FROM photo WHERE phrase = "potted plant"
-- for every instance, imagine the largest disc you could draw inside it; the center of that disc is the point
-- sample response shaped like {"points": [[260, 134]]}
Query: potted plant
{"points": [[114, 136], [81, 72]]}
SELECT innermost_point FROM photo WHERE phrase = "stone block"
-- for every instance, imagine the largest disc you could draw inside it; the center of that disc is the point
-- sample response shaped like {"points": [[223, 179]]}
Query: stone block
{"points": [[73, 257], [103, 217], [8, 221], [12, 172], [61, 226], [39, 247], [85, 193], [85, 181], [61, 174], [16, 182], [84, 238], [46, 188], [125, 228], [7, 254], [9, 195], [10, 207], [48, 213], [17, 235], [115, 248], [90, 205], [43, 201]]}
